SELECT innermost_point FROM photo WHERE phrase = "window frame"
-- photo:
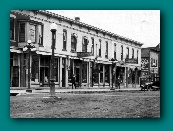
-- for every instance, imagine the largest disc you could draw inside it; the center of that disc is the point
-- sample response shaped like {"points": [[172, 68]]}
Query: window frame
{"points": [[100, 48], [74, 43], [64, 48], [84, 44], [115, 51], [22, 32], [121, 52], [132, 53], [13, 28], [127, 53], [106, 52], [35, 31], [92, 47], [41, 38]]}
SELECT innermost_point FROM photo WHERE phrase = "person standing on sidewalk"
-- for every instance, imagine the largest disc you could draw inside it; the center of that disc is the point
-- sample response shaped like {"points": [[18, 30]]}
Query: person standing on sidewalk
{"points": [[73, 81], [118, 82]]}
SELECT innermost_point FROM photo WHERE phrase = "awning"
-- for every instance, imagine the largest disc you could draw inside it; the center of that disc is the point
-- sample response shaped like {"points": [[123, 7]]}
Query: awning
{"points": [[15, 49], [107, 62], [87, 60], [43, 53], [50, 53], [134, 67]]}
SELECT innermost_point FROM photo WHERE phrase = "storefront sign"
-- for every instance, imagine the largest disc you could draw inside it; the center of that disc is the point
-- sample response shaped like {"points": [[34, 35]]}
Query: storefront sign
{"points": [[84, 54], [145, 63], [131, 61]]}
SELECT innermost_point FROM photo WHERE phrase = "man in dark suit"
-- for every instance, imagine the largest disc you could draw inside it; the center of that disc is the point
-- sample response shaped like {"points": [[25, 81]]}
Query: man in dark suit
{"points": [[73, 81]]}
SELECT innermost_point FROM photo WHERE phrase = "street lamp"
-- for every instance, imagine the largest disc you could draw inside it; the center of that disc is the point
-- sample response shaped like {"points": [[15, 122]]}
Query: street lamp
{"points": [[153, 71], [29, 47], [53, 28], [112, 72]]}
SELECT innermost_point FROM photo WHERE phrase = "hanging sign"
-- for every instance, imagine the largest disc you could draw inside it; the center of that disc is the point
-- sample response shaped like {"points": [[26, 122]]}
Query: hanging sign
{"points": [[131, 61], [84, 54]]}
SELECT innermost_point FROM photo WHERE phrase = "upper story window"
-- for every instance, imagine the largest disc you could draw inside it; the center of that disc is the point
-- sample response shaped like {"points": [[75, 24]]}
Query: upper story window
{"points": [[106, 53], [100, 49], [122, 52], [132, 53], [12, 29], [84, 44], [32, 32], [115, 51], [92, 46], [64, 39], [22, 31], [127, 53], [40, 35], [73, 42], [137, 55], [153, 62]]}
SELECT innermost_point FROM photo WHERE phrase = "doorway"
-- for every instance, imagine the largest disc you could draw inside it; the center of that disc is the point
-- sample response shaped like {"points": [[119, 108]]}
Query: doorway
{"points": [[44, 76], [15, 79], [63, 77], [77, 72]]}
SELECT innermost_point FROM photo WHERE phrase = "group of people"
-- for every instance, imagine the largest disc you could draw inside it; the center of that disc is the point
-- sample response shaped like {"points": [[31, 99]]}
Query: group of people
{"points": [[73, 81]]}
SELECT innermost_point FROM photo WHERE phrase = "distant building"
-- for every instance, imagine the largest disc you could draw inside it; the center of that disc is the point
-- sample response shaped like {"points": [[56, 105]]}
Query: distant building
{"points": [[80, 49], [149, 62], [158, 49]]}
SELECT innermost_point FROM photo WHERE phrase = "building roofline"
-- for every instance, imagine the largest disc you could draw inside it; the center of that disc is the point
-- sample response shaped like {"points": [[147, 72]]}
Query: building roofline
{"points": [[87, 26], [151, 48]]}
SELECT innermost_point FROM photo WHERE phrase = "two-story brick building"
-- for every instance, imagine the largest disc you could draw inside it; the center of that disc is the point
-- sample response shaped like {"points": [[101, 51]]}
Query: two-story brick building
{"points": [[80, 49]]}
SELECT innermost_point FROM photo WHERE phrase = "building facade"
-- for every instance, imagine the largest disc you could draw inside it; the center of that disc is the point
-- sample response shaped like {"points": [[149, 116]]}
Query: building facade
{"points": [[149, 62], [97, 57]]}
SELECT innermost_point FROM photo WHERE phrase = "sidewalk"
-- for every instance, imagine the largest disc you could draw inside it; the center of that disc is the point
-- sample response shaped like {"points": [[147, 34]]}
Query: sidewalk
{"points": [[84, 90]]}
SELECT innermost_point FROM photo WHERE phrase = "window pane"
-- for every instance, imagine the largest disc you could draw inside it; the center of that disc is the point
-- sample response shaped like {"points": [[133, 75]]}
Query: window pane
{"points": [[92, 48], [107, 73], [121, 52], [64, 39], [22, 32], [35, 67], [40, 34], [12, 28], [56, 69], [84, 73], [114, 50], [32, 33], [73, 43], [101, 73]]}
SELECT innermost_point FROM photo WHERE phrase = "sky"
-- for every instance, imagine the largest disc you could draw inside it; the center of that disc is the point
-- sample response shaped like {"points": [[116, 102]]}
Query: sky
{"points": [[139, 25]]}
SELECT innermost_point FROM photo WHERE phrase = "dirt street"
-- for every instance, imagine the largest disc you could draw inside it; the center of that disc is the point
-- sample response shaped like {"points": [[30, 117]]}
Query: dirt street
{"points": [[137, 104]]}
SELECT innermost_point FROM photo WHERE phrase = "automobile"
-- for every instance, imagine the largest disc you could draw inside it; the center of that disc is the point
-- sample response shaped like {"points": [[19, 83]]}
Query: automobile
{"points": [[155, 85], [145, 84]]}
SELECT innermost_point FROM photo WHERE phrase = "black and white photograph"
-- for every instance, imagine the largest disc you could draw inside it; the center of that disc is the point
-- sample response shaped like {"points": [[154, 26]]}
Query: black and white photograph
{"points": [[84, 64]]}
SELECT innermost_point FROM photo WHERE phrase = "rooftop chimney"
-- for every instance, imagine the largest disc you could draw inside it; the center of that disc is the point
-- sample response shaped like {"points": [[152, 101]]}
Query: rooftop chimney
{"points": [[77, 19]]}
